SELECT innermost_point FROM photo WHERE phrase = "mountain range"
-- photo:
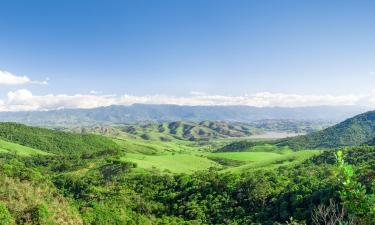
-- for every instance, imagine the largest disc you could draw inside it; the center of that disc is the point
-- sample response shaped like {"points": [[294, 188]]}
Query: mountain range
{"points": [[168, 113]]}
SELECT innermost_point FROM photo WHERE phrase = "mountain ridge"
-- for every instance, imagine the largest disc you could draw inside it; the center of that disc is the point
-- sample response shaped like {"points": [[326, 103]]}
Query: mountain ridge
{"points": [[116, 114]]}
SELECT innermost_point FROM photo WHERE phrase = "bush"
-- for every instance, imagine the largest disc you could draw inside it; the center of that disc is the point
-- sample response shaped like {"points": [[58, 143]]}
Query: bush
{"points": [[5, 217]]}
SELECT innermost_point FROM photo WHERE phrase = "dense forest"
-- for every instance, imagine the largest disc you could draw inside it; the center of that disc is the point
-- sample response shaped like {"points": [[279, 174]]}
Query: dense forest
{"points": [[54, 141], [111, 194]]}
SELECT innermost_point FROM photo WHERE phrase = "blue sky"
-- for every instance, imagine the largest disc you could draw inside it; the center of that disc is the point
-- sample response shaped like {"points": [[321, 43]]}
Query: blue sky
{"points": [[173, 48]]}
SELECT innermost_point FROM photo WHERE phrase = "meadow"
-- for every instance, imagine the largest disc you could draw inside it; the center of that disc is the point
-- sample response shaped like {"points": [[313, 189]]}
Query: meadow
{"points": [[180, 156]]}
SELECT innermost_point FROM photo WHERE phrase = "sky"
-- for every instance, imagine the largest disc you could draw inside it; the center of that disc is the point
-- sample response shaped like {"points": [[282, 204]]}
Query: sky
{"points": [[90, 53]]}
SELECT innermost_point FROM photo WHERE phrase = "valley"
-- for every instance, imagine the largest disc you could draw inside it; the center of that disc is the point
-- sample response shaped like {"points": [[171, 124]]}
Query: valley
{"points": [[177, 172]]}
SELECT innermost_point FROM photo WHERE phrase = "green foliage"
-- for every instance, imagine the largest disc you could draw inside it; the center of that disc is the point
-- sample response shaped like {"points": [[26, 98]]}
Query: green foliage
{"points": [[238, 146], [5, 217], [42, 216], [29, 197], [359, 204], [54, 141], [129, 185]]}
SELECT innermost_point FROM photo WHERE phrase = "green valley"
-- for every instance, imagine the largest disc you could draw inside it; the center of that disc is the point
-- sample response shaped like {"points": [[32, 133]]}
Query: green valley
{"points": [[172, 173]]}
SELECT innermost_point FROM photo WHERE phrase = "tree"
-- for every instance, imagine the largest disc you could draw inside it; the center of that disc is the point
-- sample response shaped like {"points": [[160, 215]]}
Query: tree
{"points": [[359, 204], [5, 217]]}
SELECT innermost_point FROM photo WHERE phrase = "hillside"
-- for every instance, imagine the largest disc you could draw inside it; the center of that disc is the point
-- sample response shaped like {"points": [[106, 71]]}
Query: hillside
{"points": [[54, 141], [29, 197], [169, 113], [352, 132], [190, 130], [187, 130]]}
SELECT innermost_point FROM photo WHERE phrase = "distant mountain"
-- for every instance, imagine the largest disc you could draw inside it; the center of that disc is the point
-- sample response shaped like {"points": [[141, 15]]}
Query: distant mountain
{"points": [[352, 132], [182, 130], [169, 113]]}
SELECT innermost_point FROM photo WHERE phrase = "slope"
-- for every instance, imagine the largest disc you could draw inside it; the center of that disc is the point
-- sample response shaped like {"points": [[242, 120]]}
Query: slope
{"points": [[354, 131], [54, 141]]}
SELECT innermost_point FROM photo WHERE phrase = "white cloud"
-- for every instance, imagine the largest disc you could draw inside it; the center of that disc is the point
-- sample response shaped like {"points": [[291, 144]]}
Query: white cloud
{"points": [[93, 92], [24, 100], [197, 93], [7, 78]]}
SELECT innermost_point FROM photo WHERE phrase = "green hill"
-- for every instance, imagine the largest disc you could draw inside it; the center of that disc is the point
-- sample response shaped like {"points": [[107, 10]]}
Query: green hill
{"points": [[205, 130], [189, 130], [352, 132], [20, 150], [54, 141]]}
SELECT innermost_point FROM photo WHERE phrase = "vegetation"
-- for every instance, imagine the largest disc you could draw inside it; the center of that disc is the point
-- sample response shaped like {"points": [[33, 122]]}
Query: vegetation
{"points": [[120, 179], [352, 132], [53, 141], [359, 204]]}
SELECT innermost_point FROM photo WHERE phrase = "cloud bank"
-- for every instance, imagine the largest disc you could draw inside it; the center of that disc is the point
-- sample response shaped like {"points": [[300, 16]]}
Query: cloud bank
{"points": [[7, 78], [24, 100]]}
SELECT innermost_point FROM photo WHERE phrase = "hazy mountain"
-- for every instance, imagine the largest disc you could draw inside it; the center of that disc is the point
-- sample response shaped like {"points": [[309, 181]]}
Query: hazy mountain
{"points": [[169, 113]]}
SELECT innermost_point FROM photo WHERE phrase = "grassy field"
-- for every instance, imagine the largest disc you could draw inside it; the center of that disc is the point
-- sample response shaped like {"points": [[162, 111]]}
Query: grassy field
{"points": [[174, 163], [9, 147], [152, 147], [264, 160], [246, 156], [187, 157]]}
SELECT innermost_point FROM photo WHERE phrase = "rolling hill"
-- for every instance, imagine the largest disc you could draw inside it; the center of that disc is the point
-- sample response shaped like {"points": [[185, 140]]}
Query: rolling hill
{"points": [[205, 130], [352, 132], [190, 130]]}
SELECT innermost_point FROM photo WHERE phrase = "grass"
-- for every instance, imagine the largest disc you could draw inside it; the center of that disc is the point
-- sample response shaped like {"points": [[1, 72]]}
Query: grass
{"points": [[21, 150], [180, 156], [174, 163], [152, 147], [265, 160], [246, 156]]}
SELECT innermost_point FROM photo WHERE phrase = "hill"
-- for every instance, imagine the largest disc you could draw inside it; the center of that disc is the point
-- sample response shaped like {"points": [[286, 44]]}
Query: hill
{"points": [[8, 147], [352, 132], [54, 141], [205, 130], [169, 113], [190, 130]]}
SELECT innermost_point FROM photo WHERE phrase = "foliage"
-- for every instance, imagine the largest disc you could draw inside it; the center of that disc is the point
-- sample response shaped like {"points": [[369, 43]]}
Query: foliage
{"points": [[54, 141], [5, 217], [110, 186], [359, 204]]}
